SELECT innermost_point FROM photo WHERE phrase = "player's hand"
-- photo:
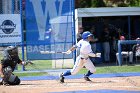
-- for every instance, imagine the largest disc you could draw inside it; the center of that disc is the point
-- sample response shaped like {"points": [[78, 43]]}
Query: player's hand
{"points": [[24, 63], [27, 62], [98, 54], [68, 52]]}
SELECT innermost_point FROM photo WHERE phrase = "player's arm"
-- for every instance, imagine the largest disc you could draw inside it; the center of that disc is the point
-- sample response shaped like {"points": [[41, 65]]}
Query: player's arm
{"points": [[91, 54], [71, 49], [21, 62], [74, 47], [24, 62]]}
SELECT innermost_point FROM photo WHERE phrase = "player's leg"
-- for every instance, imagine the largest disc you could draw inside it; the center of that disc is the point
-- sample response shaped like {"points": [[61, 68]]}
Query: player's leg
{"points": [[9, 77], [7, 71], [78, 65], [14, 80], [91, 69]]}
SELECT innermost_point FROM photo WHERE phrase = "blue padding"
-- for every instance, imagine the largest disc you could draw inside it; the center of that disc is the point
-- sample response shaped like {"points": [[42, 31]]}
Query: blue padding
{"points": [[100, 91]]}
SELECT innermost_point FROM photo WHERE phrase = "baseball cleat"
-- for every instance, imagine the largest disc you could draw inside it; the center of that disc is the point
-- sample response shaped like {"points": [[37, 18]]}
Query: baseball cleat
{"points": [[61, 78], [87, 78], [1, 83]]}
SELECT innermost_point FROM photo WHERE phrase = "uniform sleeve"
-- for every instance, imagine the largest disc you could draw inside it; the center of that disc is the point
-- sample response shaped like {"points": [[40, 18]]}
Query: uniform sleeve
{"points": [[19, 60], [78, 44]]}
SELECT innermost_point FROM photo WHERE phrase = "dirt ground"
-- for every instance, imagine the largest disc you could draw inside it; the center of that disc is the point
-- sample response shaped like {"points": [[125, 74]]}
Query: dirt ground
{"points": [[45, 86]]}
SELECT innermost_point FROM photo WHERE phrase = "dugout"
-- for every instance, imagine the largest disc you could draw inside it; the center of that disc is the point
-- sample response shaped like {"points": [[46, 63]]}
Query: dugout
{"points": [[126, 19]]}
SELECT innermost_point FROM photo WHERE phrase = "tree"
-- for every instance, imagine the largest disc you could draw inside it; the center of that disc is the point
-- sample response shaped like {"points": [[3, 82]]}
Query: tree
{"points": [[89, 3], [82, 3], [98, 3], [134, 2], [106, 3]]}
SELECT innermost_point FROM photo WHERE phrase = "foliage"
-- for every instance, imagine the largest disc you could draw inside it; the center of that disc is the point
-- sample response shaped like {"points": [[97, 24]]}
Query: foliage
{"points": [[126, 3], [134, 2], [97, 3], [106, 3], [82, 3]]}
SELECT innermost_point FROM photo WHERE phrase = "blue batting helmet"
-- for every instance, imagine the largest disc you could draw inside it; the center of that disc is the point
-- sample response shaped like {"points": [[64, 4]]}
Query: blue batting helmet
{"points": [[86, 34]]}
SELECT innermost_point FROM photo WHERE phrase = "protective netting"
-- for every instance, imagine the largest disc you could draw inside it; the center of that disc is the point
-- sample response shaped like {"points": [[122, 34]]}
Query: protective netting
{"points": [[61, 25], [49, 27]]}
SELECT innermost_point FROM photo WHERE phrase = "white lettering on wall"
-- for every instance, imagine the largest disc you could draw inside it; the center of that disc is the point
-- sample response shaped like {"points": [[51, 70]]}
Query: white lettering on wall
{"points": [[38, 48], [50, 11]]}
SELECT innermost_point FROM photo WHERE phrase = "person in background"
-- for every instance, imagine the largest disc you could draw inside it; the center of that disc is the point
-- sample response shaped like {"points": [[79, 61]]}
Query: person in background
{"points": [[79, 37], [79, 34], [136, 48], [125, 52], [106, 46], [95, 39], [113, 44]]}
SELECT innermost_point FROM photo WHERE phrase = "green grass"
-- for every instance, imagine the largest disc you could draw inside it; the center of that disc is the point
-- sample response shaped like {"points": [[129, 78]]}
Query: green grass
{"points": [[41, 65], [114, 69], [31, 74], [108, 69], [38, 65]]}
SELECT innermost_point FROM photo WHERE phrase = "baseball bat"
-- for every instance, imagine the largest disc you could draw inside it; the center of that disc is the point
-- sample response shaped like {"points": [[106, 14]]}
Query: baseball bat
{"points": [[51, 52]]}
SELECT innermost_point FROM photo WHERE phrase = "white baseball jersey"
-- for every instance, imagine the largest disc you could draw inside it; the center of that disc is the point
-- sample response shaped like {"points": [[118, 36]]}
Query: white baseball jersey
{"points": [[85, 49]]}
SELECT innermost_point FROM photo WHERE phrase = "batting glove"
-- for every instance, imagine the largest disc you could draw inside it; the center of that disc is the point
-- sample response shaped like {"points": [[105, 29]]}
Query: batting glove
{"points": [[24, 63], [98, 54], [68, 52]]}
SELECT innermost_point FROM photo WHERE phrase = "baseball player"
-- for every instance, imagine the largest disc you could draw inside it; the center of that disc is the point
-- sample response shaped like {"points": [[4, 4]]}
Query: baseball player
{"points": [[7, 66], [83, 58]]}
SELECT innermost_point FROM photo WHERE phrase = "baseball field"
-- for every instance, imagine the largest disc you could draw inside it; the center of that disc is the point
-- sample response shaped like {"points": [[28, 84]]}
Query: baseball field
{"points": [[130, 84], [108, 79]]}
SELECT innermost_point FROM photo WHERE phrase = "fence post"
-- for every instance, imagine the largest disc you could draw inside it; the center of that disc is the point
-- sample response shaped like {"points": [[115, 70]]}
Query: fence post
{"points": [[119, 51], [22, 42]]}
